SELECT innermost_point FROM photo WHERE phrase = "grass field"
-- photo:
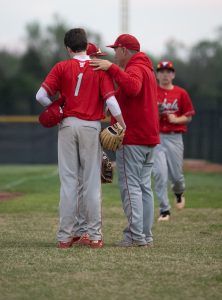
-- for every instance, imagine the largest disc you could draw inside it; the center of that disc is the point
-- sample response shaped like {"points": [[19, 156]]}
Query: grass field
{"points": [[185, 262]]}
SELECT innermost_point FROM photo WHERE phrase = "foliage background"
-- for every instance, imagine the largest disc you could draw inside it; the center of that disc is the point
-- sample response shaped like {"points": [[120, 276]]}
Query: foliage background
{"points": [[198, 68]]}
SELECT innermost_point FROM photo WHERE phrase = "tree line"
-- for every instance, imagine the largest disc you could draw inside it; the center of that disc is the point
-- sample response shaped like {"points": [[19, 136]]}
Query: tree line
{"points": [[199, 70]]}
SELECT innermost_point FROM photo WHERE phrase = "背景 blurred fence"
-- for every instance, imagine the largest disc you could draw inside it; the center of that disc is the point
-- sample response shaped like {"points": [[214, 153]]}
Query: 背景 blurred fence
{"points": [[24, 141]]}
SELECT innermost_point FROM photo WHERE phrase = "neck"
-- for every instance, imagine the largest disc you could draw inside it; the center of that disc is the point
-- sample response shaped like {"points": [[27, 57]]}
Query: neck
{"points": [[166, 86], [80, 53], [72, 54], [126, 61]]}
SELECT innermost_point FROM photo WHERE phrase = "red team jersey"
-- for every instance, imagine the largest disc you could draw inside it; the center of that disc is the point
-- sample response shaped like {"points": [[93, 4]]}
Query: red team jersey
{"points": [[175, 101], [83, 89]]}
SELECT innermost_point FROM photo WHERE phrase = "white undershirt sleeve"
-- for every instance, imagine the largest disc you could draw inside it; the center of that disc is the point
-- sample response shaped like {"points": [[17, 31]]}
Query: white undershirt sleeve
{"points": [[113, 106], [42, 97]]}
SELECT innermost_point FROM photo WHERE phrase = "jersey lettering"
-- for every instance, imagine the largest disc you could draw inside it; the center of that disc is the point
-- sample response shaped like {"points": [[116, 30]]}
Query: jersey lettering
{"points": [[165, 106], [78, 84]]}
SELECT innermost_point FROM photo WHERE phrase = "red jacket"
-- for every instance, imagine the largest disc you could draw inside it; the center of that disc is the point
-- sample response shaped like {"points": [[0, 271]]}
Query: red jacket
{"points": [[137, 97]]}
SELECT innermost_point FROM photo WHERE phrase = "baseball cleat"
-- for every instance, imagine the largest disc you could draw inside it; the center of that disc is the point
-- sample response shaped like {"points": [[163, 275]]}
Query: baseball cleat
{"points": [[180, 201], [164, 216], [96, 244], [82, 240], [65, 245]]}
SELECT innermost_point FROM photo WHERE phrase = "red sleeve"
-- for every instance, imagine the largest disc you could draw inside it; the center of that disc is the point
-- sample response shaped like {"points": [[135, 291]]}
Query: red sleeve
{"points": [[52, 83], [130, 80], [187, 106], [106, 87]]}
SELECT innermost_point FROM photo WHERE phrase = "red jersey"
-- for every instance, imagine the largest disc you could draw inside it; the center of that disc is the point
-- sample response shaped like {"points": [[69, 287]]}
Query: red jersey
{"points": [[83, 89], [175, 101], [136, 95]]}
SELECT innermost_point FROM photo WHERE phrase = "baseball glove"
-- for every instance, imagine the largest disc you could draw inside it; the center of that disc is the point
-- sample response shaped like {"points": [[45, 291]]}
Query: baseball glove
{"points": [[112, 137], [106, 169], [52, 115]]}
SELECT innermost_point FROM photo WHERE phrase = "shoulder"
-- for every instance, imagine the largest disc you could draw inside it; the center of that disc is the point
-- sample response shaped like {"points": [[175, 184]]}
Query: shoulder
{"points": [[68, 62], [180, 89], [184, 95], [61, 65]]}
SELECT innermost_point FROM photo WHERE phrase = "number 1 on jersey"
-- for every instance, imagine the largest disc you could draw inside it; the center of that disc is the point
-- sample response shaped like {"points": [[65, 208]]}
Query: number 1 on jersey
{"points": [[78, 84]]}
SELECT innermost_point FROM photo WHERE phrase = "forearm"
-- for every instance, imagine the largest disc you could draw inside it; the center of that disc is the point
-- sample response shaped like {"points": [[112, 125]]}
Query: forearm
{"points": [[179, 120], [42, 97], [130, 83], [115, 110], [120, 120], [183, 120]]}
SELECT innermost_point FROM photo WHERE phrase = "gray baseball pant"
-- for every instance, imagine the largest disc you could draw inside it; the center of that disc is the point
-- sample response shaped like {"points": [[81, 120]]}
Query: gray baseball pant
{"points": [[168, 164], [79, 147], [134, 166]]}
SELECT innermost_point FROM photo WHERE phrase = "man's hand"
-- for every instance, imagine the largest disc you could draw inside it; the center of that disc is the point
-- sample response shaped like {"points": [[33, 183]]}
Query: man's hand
{"points": [[100, 64], [107, 112]]}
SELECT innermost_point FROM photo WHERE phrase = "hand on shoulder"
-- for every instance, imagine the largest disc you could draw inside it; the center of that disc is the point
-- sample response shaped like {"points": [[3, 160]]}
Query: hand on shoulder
{"points": [[100, 64]]}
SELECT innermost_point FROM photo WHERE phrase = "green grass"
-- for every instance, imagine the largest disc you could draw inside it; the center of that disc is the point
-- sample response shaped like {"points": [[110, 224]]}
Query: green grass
{"points": [[186, 262]]}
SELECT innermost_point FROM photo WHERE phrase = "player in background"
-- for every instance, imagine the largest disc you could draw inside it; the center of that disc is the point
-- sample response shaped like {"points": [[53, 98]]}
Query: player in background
{"points": [[175, 111], [136, 95], [79, 148]]}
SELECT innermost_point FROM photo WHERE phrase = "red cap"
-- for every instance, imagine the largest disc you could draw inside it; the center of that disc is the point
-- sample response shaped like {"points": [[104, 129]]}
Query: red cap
{"points": [[52, 115], [92, 50], [128, 41], [165, 64]]}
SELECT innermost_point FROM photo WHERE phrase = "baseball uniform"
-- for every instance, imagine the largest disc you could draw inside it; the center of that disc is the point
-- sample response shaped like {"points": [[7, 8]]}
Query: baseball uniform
{"points": [[79, 146], [168, 162]]}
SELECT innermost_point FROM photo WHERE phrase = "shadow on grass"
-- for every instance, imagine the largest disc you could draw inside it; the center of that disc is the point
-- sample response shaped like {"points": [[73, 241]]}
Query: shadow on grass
{"points": [[28, 244], [52, 245]]}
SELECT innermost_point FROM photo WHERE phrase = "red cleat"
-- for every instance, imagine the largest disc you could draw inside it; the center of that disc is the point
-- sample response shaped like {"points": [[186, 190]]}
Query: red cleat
{"points": [[96, 244], [65, 245], [82, 240]]}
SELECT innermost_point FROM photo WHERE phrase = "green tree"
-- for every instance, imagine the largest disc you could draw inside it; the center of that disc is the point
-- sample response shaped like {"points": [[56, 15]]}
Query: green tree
{"points": [[21, 75]]}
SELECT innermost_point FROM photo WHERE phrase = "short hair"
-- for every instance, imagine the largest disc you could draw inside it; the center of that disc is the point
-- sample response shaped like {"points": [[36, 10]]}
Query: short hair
{"points": [[76, 39], [132, 52]]}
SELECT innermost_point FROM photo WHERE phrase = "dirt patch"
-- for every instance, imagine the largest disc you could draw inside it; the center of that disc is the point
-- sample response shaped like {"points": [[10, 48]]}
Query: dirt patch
{"points": [[4, 196], [196, 165]]}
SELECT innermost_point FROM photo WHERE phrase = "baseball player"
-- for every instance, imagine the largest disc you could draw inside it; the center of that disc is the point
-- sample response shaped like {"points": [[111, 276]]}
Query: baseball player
{"points": [[175, 111], [136, 95], [79, 148], [80, 221]]}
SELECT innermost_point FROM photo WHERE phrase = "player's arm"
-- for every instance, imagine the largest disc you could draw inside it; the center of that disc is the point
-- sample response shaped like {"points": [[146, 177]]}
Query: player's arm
{"points": [[130, 81], [50, 86], [173, 119], [115, 110], [187, 110], [42, 97]]}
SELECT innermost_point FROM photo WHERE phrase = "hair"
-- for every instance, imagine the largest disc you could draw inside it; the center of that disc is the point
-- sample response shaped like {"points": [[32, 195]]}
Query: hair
{"points": [[132, 52], [76, 39]]}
